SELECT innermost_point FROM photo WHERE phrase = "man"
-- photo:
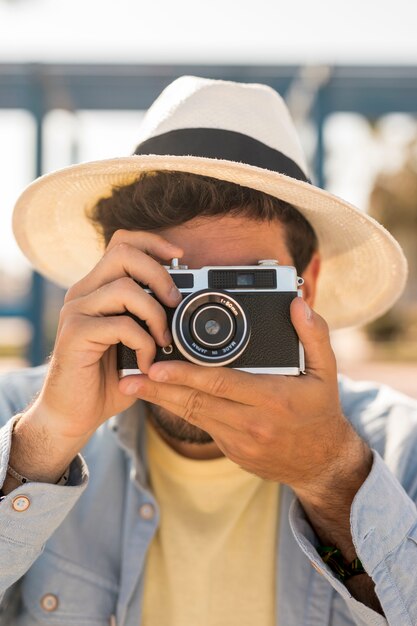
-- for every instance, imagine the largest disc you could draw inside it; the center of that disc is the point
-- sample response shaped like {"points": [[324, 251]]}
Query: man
{"points": [[212, 491]]}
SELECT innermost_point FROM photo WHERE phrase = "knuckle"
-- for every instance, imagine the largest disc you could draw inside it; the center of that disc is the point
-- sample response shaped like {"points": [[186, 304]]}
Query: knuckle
{"points": [[219, 385], [139, 302], [128, 332], [125, 283], [120, 249], [122, 290], [261, 431], [71, 294], [118, 236], [67, 309], [153, 392], [70, 327], [194, 404]]}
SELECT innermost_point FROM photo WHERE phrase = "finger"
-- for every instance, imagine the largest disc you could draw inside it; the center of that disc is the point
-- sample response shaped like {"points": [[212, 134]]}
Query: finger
{"points": [[222, 382], [232, 443], [148, 242], [313, 333], [120, 296], [241, 432], [192, 405], [228, 439], [124, 259], [93, 336]]}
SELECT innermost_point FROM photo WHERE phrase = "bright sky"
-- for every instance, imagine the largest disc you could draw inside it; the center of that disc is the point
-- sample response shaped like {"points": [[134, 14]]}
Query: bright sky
{"points": [[265, 31]]}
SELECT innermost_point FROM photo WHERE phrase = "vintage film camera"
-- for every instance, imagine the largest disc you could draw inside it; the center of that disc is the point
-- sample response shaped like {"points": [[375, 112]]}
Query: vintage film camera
{"points": [[233, 316]]}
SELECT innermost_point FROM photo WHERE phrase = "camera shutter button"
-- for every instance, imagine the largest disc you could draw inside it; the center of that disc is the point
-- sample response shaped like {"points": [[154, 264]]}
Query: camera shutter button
{"points": [[175, 265]]}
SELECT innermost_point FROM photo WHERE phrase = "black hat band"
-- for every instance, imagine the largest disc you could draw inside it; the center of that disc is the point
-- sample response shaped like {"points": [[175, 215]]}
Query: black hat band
{"points": [[214, 143]]}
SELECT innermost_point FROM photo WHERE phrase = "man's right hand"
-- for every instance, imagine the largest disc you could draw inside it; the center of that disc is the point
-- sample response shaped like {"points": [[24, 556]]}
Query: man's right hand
{"points": [[81, 389]]}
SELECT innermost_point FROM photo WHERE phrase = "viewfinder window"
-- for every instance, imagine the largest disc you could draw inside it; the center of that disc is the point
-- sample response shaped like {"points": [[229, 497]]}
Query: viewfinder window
{"points": [[245, 280]]}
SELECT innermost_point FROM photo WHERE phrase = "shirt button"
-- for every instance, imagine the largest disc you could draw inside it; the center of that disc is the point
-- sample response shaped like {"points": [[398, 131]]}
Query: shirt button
{"points": [[49, 602], [20, 503], [147, 511]]}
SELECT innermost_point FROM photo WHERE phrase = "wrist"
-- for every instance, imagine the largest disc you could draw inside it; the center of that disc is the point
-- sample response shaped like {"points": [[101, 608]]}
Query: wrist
{"points": [[346, 471], [50, 425], [327, 503], [37, 453]]}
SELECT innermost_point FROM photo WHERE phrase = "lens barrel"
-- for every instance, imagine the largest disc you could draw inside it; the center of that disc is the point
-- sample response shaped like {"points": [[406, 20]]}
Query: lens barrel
{"points": [[210, 328]]}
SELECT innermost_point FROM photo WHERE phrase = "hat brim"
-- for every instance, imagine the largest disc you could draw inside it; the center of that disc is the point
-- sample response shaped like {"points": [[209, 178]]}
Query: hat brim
{"points": [[363, 269]]}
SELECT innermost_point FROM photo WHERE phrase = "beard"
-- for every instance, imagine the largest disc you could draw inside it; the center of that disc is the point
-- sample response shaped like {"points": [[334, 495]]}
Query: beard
{"points": [[176, 427]]}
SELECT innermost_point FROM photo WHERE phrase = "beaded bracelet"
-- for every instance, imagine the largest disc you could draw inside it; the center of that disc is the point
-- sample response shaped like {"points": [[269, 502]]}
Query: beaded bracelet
{"points": [[23, 480], [334, 559]]}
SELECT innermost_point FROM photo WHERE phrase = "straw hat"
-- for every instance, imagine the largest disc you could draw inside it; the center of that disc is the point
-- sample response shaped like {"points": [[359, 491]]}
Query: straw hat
{"points": [[237, 132]]}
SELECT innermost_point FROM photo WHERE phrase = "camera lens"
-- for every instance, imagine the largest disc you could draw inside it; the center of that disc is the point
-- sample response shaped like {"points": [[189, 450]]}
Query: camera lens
{"points": [[210, 328]]}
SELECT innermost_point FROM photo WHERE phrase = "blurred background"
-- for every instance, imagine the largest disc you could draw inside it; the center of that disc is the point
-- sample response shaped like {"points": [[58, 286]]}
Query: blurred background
{"points": [[76, 77]]}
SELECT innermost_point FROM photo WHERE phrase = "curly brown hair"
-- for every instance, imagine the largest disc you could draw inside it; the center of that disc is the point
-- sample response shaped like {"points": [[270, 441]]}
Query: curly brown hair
{"points": [[162, 199]]}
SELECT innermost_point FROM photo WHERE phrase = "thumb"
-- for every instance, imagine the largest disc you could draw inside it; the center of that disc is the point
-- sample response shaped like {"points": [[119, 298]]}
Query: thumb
{"points": [[313, 333], [129, 385]]}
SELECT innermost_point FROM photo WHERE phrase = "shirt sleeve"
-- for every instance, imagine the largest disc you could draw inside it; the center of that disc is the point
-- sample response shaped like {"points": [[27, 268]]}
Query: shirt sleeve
{"points": [[384, 532], [31, 513]]}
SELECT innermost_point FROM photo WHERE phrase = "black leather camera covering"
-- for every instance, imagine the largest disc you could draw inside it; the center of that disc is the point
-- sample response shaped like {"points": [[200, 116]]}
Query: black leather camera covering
{"points": [[273, 341]]}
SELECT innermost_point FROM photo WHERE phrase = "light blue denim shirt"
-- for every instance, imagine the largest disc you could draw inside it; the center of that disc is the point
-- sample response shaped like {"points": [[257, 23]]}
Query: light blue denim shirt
{"points": [[76, 554]]}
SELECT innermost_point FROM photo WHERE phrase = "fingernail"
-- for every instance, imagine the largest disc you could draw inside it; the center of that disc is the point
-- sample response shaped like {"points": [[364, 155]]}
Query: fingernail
{"points": [[308, 312], [167, 337], [131, 388]]}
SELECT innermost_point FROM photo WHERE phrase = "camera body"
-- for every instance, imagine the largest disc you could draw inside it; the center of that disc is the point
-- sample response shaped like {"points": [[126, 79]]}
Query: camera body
{"points": [[232, 316]]}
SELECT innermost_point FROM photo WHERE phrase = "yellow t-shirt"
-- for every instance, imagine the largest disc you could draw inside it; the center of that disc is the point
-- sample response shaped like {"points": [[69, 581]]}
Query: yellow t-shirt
{"points": [[212, 560]]}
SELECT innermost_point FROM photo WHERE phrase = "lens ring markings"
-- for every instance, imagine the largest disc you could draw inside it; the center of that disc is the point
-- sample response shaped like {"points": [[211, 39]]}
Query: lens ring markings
{"points": [[206, 353], [200, 324]]}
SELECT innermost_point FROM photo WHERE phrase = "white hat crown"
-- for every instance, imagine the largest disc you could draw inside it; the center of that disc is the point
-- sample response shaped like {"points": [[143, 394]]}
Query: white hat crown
{"points": [[251, 109]]}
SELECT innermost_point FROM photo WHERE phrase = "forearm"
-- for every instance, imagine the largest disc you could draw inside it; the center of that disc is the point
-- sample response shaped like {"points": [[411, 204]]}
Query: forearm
{"points": [[328, 509]]}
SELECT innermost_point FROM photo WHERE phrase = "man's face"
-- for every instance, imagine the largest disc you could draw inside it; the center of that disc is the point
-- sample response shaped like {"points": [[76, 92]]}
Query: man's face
{"points": [[222, 240]]}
